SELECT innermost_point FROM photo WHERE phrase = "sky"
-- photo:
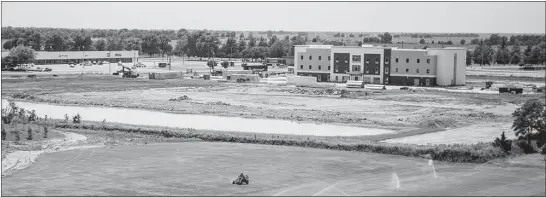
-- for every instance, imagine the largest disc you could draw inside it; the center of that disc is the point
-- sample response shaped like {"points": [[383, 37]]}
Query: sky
{"points": [[445, 17]]}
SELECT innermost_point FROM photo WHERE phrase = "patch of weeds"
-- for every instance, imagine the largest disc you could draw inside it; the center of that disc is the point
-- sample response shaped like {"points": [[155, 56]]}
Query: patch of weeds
{"points": [[182, 98]]}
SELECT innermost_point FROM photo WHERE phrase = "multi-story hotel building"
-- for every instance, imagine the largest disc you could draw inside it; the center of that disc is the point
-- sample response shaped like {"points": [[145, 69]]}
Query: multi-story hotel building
{"points": [[381, 65]]}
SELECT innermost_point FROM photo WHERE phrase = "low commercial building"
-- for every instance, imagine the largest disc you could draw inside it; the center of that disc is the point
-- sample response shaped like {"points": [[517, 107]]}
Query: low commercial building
{"points": [[65, 57], [382, 65]]}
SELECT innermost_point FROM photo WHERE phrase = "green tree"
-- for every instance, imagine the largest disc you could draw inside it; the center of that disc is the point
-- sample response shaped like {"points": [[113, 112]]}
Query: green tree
{"points": [[422, 41], [515, 55], [211, 64], [530, 120], [475, 41], [8, 45], [134, 43], [482, 54], [100, 45], [468, 58], [150, 44], [164, 44], [462, 41], [23, 54], [386, 38], [180, 46]]}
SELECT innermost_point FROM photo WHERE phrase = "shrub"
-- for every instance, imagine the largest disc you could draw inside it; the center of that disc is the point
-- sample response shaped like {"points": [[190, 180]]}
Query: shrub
{"points": [[45, 132], [182, 98], [4, 133], [16, 135], [24, 95], [32, 115], [66, 118], [527, 148], [29, 137], [505, 145], [77, 119]]}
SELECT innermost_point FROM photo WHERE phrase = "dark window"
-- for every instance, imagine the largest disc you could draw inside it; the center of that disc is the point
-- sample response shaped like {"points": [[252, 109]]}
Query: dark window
{"points": [[386, 60], [310, 66], [428, 71], [329, 58], [395, 60], [310, 57], [386, 70], [428, 61], [367, 70], [357, 58], [302, 57], [320, 67], [407, 60], [328, 67], [407, 69], [395, 69], [417, 70], [337, 78], [376, 70], [301, 67], [418, 60], [319, 57], [367, 60], [376, 60]]}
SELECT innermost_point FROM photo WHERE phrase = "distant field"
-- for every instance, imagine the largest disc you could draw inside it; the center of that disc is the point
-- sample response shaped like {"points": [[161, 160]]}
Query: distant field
{"points": [[204, 168]]}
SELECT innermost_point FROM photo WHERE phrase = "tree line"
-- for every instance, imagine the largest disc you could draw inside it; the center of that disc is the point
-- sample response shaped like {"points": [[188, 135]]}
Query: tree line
{"points": [[484, 54]]}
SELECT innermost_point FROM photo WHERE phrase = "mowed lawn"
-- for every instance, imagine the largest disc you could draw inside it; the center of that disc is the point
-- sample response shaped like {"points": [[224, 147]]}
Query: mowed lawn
{"points": [[206, 168]]}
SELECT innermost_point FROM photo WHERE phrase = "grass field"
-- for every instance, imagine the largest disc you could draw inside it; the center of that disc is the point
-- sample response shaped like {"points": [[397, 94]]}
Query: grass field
{"points": [[204, 168]]}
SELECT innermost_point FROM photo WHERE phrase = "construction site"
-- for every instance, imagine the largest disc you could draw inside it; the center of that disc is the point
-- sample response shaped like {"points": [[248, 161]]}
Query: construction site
{"points": [[218, 98], [263, 103]]}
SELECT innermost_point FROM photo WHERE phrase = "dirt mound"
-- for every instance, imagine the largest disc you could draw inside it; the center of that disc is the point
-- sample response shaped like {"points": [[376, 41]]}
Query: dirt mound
{"points": [[182, 98]]}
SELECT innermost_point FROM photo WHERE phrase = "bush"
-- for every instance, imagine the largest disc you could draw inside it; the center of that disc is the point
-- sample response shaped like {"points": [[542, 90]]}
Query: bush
{"points": [[527, 148], [45, 132], [4, 133], [66, 118], [505, 145], [24, 95], [77, 119], [16, 135], [32, 116], [29, 137]]}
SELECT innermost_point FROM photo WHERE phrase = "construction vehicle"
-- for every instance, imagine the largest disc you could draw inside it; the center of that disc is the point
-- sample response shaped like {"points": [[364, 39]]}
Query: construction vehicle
{"points": [[241, 179], [127, 72]]}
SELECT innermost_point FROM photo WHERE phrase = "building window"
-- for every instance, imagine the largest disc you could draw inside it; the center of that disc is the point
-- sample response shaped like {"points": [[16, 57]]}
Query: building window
{"points": [[428, 71], [376, 70], [328, 67], [301, 67], [386, 60], [396, 70], [346, 69], [367, 60], [386, 70], [407, 60], [407, 69], [394, 60], [337, 70], [337, 59], [418, 60], [329, 58], [376, 60], [367, 70], [356, 67], [302, 57], [337, 78], [310, 57], [320, 67], [319, 57], [417, 70], [428, 61], [310, 67], [357, 58]]}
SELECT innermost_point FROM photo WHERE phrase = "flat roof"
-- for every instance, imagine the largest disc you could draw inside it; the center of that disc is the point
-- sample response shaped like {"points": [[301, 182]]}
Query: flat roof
{"points": [[314, 46], [54, 55]]}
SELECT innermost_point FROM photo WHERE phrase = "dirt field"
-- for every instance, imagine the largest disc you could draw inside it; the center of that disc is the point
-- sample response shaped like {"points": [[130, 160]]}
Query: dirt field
{"points": [[200, 168], [403, 111]]}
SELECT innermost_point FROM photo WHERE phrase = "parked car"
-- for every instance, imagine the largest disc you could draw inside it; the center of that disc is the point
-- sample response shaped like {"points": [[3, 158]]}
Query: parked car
{"points": [[48, 69]]}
